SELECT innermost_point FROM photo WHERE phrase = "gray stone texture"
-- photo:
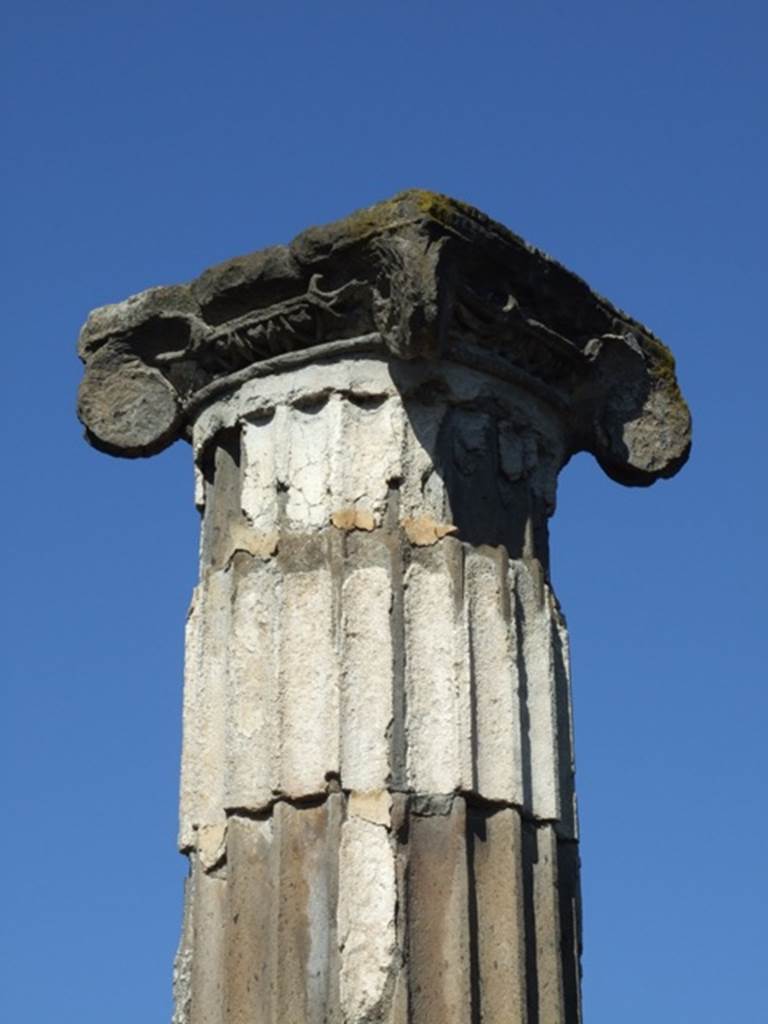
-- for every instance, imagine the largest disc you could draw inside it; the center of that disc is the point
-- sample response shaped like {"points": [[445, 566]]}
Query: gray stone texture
{"points": [[377, 794], [419, 277], [465, 913]]}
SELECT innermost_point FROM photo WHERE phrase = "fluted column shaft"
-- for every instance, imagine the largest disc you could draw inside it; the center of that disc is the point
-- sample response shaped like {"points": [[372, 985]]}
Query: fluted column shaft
{"points": [[377, 786], [377, 783]]}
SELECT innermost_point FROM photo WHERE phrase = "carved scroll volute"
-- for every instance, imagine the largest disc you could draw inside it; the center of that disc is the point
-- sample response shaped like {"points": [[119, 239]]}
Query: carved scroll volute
{"points": [[128, 401], [636, 421]]}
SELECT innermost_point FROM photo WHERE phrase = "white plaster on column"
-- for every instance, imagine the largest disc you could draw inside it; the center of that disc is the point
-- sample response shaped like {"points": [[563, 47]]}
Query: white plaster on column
{"points": [[366, 681], [370, 456], [205, 699], [253, 699], [434, 721], [259, 489], [308, 683], [541, 691], [366, 918], [495, 679]]}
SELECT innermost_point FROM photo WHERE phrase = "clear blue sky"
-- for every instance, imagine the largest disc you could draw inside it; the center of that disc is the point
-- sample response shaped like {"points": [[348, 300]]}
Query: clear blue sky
{"points": [[142, 142]]}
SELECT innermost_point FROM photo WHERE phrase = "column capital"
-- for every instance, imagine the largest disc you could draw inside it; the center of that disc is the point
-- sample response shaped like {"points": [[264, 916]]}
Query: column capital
{"points": [[418, 277]]}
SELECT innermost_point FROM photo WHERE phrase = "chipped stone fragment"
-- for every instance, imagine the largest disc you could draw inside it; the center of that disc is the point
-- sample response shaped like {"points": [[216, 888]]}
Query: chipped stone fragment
{"points": [[211, 845], [260, 545], [374, 807], [424, 531], [353, 519]]}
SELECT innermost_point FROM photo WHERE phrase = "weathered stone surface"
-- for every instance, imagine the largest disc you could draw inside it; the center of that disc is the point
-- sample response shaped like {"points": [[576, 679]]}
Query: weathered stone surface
{"points": [[251, 975], [366, 918], [339, 639], [495, 856], [440, 957], [205, 694], [452, 914], [499, 706], [404, 418], [420, 276], [377, 792], [210, 922], [366, 679], [128, 408], [308, 683], [320, 648]]}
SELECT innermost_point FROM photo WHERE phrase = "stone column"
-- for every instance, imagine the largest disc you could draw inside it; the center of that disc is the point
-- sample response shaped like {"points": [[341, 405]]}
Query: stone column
{"points": [[377, 794]]}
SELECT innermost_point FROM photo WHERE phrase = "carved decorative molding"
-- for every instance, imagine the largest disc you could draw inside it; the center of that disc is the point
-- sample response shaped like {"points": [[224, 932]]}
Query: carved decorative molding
{"points": [[420, 276]]}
